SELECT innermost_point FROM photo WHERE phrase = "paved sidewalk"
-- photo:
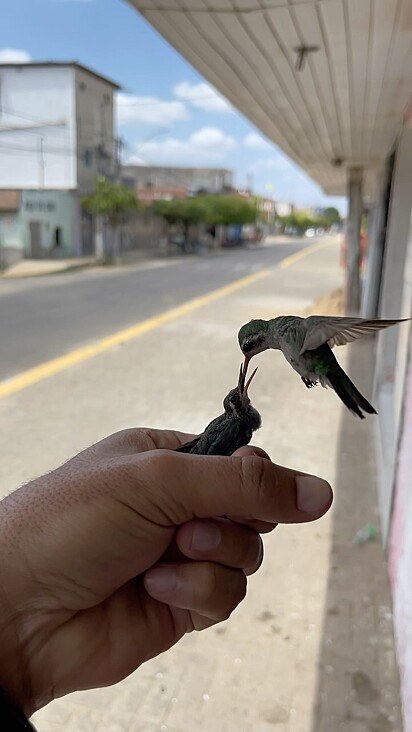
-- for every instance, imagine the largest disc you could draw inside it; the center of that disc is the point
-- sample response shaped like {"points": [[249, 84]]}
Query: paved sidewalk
{"points": [[310, 649], [38, 267]]}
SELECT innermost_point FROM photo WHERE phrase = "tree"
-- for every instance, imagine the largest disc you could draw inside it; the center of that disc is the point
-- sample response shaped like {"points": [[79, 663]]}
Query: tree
{"points": [[111, 200], [227, 210], [184, 211], [331, 216], [210, 210]]}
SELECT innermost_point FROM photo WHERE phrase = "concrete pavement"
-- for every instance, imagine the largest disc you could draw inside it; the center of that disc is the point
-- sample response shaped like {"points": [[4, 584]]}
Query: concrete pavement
{"points": [[39, 267], [44, 317], [310, 649]]}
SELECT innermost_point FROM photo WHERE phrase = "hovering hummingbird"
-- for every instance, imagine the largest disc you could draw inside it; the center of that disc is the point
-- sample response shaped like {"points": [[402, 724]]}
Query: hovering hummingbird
{"points": [[233, 428], [307, 344]]}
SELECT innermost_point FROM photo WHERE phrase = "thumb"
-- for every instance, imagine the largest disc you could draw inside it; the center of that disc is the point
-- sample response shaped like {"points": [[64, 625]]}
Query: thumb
{"points": [[184, 486]]}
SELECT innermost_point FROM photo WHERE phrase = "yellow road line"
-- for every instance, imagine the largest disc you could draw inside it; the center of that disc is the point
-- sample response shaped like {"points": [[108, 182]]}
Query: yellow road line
{"points": [[288, 261], [61, 363], [78, 355]]}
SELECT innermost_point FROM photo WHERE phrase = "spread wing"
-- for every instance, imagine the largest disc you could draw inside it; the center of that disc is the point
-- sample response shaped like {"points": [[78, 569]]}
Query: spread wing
{"points": [[339, 331]]}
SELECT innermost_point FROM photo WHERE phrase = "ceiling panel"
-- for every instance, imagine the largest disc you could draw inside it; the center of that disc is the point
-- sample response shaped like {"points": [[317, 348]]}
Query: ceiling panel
{"points": [[344, 108]]}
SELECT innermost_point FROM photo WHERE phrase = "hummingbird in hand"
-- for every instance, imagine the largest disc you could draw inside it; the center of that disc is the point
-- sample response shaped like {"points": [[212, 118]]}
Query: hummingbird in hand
{"points": [[233, 428], [307, 344]]}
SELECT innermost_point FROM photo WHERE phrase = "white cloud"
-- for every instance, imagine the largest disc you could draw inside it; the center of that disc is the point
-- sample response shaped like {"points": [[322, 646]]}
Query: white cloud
{"points": [[14, 56], [199, 148], [257, 142], [202, 96], [275, 163], [132, 109], [212, 138]]}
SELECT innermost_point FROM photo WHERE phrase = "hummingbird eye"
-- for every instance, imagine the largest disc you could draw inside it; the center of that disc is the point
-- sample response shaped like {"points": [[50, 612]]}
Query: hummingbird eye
{"points": [[248, 346]]}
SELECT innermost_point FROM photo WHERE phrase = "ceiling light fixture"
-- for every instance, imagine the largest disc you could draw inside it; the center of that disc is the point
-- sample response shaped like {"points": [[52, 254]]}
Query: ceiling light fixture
{"points": [[302, 54]]}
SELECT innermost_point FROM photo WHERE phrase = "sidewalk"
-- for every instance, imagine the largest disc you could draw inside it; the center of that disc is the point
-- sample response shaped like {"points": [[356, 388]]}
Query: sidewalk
{"points": [[38, 267], [310, 649], [41, 267]]}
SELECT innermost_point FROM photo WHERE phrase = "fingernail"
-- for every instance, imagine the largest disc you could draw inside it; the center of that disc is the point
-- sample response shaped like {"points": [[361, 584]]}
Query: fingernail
{"points": [[161, 579], [206, 537], [313, 494]]}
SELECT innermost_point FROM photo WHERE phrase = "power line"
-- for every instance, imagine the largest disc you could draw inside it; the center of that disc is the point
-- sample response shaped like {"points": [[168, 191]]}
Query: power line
{"points": [[168, 101]]}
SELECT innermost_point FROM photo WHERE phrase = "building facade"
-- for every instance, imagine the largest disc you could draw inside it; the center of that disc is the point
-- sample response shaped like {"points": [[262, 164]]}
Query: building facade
{"points": [[388, 294], [212, 180], [56, 136]]}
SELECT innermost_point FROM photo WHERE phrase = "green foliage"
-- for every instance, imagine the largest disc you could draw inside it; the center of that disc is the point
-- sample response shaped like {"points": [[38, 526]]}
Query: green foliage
{"points": [[227, 210], [212, 210], [302, 221], [180, 210], [111, 200], [331, 216]]}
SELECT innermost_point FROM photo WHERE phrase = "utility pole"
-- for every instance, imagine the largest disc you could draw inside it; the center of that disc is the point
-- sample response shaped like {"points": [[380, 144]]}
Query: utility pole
{"points": [[42, 164], [353, 250]]}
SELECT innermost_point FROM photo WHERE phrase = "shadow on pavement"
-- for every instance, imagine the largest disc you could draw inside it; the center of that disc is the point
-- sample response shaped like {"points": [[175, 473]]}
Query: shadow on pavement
{"points": [[358, 683]]}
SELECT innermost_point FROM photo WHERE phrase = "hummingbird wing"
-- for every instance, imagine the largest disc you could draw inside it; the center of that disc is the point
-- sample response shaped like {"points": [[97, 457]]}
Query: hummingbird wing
{"points": [[229, 439], [337, 331], [188, 446]]}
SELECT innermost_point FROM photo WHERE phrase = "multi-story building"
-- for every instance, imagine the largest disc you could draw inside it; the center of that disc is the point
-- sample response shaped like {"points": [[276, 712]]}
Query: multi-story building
{"points": [[212, 180], [56, 136]]}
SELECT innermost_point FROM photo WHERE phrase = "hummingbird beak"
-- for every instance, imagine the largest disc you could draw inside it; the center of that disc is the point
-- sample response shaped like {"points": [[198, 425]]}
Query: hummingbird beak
{"points": [[243, 371], [241, 381], [244, 394]]}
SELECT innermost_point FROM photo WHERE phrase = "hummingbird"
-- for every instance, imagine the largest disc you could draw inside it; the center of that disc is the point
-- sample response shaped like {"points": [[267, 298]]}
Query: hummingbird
{"points": [[307, 344], [233, 428]]}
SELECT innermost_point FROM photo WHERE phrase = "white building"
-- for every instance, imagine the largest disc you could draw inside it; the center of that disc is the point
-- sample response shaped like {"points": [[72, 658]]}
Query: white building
{"points": [[56, 134]]}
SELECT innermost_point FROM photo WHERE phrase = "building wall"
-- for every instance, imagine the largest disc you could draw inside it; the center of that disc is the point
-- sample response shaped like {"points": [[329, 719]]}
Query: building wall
{"points": [[142, 176], [43, 157], [96, 154], [49, 211], [393, 398], [11, 239], [391, 355], [400, 544]]}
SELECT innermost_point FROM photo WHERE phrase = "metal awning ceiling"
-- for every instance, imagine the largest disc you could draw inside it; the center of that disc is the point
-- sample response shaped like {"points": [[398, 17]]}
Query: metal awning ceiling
{"points": [[348, 102]]}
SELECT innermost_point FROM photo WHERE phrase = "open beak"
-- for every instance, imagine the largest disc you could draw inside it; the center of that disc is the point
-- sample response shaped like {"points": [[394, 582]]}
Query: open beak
{"points": [[243, 370], [241, 385], [241, 381], [246, 387]]}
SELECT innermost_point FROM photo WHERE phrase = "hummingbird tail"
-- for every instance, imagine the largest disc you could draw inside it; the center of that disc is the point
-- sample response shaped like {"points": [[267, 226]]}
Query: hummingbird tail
{"points": [[348, 393]]}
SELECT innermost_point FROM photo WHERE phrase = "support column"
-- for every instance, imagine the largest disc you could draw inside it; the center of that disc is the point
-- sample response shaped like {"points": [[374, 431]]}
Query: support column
{"points": [[353, 284]]}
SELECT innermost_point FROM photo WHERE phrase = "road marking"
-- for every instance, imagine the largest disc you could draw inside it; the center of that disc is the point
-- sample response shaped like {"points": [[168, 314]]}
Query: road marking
{"points": [[61, 363], [293, 258]]}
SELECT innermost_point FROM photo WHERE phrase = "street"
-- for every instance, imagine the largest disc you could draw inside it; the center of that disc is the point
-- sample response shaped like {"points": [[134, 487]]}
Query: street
{"points": [[311, 647], [44, 317]]}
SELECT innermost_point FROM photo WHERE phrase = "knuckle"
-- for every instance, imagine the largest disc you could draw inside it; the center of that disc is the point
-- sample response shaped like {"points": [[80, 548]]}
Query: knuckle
{"points": [[256, 475], [159, 465], [139, 438]]}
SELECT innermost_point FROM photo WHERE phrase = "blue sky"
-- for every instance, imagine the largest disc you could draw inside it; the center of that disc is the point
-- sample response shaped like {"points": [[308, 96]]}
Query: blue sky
{"points": [[167, 114]]}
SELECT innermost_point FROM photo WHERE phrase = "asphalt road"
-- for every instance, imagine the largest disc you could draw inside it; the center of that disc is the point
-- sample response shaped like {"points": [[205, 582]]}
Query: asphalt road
{"points": [[45, 317]]}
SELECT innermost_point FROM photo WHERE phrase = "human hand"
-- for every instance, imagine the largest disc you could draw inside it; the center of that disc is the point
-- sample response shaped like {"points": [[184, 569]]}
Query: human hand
{"points": [[110, 559]]}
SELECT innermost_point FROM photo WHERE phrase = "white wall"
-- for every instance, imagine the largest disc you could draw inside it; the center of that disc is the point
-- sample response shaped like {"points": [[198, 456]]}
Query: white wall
{"points": [[391, 352], [31, 95]]}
